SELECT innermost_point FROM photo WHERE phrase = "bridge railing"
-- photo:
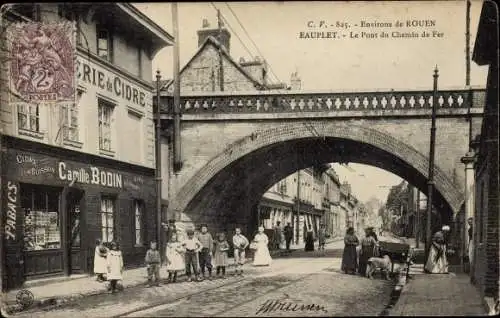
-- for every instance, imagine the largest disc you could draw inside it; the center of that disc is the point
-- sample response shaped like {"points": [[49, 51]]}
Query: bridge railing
{"points": [[288, 101]]}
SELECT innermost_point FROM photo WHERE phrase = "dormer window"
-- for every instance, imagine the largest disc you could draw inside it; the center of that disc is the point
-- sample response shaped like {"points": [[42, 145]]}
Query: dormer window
{"points": [[104, 43]]}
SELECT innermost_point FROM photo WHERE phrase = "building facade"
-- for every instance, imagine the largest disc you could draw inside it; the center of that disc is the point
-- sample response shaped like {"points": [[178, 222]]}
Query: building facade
{"points": [[331, 199], [76, 172], [485, 263]]}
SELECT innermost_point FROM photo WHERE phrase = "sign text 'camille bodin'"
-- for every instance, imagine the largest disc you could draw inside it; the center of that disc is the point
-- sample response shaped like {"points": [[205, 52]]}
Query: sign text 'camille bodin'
{"points": [[10, 220], [93, 175], [105, 80]]}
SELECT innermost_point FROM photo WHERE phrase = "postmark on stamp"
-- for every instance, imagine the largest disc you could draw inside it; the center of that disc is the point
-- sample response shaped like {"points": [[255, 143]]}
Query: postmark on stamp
{"points": [[42, 59]]}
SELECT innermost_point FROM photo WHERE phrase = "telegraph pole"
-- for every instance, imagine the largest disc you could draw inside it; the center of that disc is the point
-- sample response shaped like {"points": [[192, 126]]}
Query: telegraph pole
{"points": [[417, 221], [467, 68], [467, 44], [158, 162], [430, 182], [221, 67], [297, 223], [177, 93]]}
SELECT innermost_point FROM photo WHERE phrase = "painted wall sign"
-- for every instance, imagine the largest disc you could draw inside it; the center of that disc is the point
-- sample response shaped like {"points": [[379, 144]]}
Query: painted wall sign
{"points": [[37, 168], [92, 175], [10, 221], [91, 73]]}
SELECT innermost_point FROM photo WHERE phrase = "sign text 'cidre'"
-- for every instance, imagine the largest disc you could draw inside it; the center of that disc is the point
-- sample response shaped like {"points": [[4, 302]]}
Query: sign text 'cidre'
{"points": [[106, 80]]}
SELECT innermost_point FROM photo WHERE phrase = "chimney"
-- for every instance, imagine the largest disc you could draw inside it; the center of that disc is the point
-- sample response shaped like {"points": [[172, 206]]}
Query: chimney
{"points": [[295, 82], [207, 31]]}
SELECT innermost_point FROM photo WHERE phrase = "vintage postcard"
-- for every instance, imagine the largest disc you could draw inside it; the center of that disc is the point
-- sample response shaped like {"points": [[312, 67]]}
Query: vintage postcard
{"points": [[271, 158]]}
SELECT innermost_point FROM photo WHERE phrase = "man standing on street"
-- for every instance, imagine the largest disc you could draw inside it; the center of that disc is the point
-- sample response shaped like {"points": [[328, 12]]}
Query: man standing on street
{"points": [[288, 236], [207, 243], [278, 233]]}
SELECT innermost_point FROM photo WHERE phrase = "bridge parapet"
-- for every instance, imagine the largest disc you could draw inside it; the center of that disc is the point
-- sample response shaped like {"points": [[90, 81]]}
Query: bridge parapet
{"points": [[299, 101]]}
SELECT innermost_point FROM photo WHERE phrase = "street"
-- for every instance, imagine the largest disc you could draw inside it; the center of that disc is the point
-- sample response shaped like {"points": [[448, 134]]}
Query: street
{"points": [[304, 284]]}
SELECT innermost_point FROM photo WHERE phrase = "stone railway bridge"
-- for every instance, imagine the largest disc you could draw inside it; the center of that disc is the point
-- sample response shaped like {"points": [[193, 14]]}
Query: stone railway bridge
{"points": [[236, 145]]}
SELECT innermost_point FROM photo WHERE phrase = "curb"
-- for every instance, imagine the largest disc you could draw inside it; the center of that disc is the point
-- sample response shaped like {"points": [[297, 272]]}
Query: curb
{"points": [[399, 288]]}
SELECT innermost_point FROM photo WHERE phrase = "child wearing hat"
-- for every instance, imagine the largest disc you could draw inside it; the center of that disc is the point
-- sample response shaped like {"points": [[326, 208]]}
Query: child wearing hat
{"points": [[192, 246]]}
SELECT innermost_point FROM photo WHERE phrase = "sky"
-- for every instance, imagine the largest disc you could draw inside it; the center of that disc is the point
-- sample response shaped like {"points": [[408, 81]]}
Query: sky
{"points": [[340, 64]]}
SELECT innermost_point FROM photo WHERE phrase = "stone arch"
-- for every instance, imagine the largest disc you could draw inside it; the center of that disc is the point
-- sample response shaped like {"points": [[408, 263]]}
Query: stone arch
{"points": [[287, 132]]}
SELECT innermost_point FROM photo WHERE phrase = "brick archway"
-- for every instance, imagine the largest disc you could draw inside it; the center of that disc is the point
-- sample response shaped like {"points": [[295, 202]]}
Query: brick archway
{"points": [[288, 132]]}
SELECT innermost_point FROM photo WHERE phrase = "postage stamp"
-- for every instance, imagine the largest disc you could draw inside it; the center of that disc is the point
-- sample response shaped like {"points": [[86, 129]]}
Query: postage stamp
{"points": [[42, 59]]}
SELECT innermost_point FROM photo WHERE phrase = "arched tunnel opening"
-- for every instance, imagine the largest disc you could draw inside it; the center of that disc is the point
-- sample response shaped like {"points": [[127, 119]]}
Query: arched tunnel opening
{"points": [[231, 197]]}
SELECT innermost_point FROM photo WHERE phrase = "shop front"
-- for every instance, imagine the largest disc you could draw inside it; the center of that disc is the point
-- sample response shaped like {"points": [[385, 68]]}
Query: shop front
{"points": [[58, 202]]}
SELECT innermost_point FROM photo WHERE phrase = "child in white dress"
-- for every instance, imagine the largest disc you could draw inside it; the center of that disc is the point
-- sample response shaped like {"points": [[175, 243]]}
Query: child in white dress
{"points": [[174, 258]]}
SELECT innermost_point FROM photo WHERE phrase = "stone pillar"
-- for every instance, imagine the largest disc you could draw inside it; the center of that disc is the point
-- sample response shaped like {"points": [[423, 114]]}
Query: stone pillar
{"points": [[469, 193]]}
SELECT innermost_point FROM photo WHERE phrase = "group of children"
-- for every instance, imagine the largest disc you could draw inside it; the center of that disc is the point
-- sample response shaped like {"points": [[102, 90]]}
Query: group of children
{"points": [[108, 262], [194, 254]]}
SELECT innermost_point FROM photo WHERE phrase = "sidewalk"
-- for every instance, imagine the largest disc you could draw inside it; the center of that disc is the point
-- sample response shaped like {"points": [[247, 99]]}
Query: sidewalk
{"points": [[439, 295]]}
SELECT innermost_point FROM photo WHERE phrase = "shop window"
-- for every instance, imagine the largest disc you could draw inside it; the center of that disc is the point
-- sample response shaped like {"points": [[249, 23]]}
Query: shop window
{"points": [[138, 222], [107, 218], [104, 43], [105, 113], [28, 117], [41, 218], [69, 119]]}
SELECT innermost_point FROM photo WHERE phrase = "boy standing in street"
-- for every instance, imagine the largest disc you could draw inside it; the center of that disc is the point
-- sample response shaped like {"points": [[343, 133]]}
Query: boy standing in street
{"points": [[192, 247], [153, 265], [240, 243], [207, 244]]}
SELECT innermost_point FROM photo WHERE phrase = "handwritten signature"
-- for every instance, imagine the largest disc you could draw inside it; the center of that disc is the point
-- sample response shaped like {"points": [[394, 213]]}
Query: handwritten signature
{"points": [[277, 305]]}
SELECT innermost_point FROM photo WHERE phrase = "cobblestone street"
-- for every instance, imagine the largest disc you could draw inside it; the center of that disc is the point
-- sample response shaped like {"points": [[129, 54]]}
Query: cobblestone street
{"points": [[308, 280]]}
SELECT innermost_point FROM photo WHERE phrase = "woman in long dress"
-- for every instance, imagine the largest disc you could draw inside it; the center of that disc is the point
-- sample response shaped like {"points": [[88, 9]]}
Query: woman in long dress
{"points": [[350, 256], [368, 246], [437, 263], [174, 258], [309, 241], [262, 256]]}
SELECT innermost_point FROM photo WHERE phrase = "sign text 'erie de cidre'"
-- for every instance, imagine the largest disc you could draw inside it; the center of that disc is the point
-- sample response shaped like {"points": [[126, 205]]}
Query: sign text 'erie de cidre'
{"points": [[105, 80]]}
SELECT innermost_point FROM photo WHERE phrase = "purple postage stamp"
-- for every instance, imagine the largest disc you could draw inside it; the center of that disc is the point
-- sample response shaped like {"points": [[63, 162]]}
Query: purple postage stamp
{"points": [[42, 59]]}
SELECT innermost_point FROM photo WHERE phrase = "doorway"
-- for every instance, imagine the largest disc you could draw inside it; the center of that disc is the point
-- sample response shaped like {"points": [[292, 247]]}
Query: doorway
{"points": [[74, 226]]}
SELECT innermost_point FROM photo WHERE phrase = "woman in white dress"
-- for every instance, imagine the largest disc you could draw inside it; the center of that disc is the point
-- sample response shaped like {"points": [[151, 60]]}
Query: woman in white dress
{"points": [[262, 256], [437, 262]]}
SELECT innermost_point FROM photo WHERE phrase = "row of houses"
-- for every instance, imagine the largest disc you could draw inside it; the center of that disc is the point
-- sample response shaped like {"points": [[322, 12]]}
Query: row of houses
{"points": [[319, 198]]}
